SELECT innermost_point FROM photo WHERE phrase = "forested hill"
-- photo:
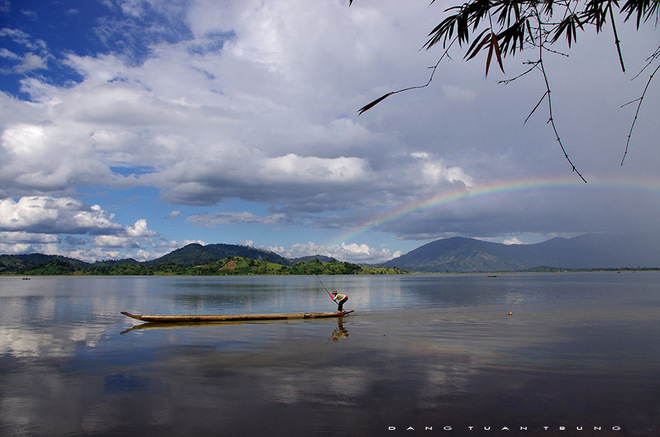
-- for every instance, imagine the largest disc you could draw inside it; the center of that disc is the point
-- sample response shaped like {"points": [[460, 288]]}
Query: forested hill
{"points": [[194, 259], [196, 254]]}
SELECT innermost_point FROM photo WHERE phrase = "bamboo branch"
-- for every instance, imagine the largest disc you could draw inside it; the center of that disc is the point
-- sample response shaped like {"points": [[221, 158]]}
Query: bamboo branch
{"points": [[547, 94], [433, 69], [639, 105], [616, 39]]}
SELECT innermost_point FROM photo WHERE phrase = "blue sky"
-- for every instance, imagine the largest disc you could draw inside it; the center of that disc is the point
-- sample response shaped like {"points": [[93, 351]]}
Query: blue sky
{"points": [[131, 128]]}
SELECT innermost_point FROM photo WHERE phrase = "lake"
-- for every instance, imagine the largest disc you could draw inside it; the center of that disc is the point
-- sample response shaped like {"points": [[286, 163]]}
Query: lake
{"points": [[421, 355]]}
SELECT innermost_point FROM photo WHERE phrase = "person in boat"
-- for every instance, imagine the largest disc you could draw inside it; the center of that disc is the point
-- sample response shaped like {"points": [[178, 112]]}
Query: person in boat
{"points": [[340, 299]]}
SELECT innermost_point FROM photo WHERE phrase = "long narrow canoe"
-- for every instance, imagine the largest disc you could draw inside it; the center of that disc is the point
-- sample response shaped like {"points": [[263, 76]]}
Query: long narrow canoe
{"points": [[188, 318]]}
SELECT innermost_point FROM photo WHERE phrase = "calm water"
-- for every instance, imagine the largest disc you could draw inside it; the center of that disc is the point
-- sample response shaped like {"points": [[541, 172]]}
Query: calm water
{"points": [[421, 355]]}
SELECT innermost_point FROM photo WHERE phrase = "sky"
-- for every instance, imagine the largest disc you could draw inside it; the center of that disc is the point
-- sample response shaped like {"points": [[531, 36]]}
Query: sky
{"points": [[130, 128]]}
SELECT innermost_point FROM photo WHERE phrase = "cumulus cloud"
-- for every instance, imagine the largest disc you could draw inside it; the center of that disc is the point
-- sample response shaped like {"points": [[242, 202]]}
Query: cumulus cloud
{"points": [[27, 237], [27, 242], [435, 171], [297, 250], [293, 168], [199, 136], [130, 237], [362, 253], [117, 241], [37, 224], [139, 229], [55, 215], [51, 158]]}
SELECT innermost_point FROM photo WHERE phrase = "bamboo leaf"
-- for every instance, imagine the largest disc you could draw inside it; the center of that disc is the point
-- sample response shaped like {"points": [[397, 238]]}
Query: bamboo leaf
{"points": [[368, 106], [496, 47], [477, 45], [490, 54]]}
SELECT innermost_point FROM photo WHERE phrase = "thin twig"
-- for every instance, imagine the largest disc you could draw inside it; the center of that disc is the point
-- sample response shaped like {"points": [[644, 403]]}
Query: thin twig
{"points": [[639, 105], [649, 62], [535, 107], [433, 69], [524, 73], [547, 94]]}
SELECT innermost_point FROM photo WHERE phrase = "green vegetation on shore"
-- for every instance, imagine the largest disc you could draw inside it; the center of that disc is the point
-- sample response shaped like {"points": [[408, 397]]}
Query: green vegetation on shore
{"points": [[232, 265]]}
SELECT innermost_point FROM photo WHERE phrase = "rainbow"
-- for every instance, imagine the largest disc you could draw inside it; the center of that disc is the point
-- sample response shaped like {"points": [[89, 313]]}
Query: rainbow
{"points": [[496, 188]]}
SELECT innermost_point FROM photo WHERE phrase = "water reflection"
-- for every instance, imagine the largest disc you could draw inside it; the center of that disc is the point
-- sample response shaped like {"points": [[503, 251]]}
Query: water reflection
{"points": [[423, 350], [340, 332]]}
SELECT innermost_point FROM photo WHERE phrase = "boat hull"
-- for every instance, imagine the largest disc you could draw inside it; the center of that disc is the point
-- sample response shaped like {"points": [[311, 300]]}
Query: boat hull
{"points": [[192, 318]]}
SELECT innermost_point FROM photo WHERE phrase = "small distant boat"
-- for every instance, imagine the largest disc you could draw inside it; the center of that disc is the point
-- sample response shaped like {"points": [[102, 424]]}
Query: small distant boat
{"points": [[192, 318]]}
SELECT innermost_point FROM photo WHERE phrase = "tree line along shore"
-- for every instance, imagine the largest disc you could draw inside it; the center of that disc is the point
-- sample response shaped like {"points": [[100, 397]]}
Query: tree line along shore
{"points": [[232, 265]]}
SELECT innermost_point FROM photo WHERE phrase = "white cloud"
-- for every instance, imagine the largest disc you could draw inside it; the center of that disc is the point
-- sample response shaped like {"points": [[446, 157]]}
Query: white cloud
{"points": [[51, 158], [300, 169], [35, 224], [30, 55], [117, 241], [298, 250], [361, 253], [27, 242], [7, 54], [240, 121], [61, 215], [19, 242], [132, 236], [30, 62], [139, 229], [435, 171], [511, 241], [22, 38], [27, 237]]}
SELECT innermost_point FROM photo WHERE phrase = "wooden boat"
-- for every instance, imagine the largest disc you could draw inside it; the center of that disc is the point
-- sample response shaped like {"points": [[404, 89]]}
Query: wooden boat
{"points": [[192, 318]]}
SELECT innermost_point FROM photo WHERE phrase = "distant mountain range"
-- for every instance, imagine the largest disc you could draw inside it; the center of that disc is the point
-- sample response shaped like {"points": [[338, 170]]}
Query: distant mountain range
{"points": [[591, 251]]}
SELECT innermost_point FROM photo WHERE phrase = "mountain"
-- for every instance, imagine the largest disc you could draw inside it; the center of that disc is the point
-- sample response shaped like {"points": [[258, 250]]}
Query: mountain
{"points": [[15, 263], [196, 254], [38, 262], [591, 251]]}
